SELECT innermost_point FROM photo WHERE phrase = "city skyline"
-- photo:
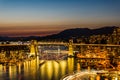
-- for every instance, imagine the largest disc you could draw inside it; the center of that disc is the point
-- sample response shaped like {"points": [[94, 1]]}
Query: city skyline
{"points": [[44, 17]]}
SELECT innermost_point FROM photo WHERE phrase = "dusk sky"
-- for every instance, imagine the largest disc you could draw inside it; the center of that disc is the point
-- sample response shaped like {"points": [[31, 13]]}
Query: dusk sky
{"points": [[44, 17]]}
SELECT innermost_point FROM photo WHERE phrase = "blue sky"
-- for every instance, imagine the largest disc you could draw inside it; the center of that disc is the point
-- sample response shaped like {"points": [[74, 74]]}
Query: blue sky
{"points": [[44, 16]]}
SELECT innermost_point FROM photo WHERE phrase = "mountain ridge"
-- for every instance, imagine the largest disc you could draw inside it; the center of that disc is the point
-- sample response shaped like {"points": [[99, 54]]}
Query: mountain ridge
{"points": [[66, 34], [79, 32]]}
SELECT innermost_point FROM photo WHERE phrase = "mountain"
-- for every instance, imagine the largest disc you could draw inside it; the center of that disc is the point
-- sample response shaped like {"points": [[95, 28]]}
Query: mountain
{"points": [[79, 32], [66, 34]]}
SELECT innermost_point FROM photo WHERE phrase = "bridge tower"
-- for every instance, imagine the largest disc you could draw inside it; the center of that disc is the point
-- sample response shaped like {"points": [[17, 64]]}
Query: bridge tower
{"points": [[70, 48], [33, 48]]}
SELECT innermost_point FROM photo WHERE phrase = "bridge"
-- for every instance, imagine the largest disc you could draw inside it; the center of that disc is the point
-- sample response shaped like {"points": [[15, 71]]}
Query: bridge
{"points": [[77, 44], [33, 46]]}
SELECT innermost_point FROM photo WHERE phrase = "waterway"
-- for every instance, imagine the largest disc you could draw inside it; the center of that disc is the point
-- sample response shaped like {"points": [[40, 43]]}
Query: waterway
{"points": [[38, 70]]}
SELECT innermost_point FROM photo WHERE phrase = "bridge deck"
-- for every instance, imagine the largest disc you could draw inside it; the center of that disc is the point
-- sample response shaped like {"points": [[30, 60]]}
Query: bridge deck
{"points": [[62, 43], [1, 45]]}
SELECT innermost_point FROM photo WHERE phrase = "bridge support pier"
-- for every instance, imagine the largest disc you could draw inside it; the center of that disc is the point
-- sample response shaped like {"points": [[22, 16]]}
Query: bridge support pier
{"points": [[70, 48], [33, 48]]}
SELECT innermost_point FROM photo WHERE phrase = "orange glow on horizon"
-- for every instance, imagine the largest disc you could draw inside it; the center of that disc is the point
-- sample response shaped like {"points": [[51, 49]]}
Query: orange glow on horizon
{"points": [[36, 29]]}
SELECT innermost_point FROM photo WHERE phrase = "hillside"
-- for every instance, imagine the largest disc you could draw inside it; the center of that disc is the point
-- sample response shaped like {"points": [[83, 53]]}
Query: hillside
{"points": [[66, 34], [79, 32]]}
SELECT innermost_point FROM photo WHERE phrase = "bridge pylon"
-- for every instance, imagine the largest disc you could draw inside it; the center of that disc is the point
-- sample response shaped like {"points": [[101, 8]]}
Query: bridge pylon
{"points": [[33, 48], [70, 48]]}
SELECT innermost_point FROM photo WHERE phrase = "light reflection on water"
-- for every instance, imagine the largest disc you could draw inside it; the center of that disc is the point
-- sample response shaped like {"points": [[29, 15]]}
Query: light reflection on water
{"points": [[31, 70]]}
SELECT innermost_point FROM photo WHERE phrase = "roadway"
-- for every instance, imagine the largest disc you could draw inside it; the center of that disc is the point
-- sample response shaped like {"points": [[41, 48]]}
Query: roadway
{"points": [[63, 43]]}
